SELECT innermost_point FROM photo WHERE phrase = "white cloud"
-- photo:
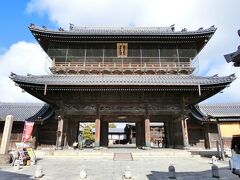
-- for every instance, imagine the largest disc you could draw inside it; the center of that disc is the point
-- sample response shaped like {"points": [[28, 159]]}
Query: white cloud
{"points": [[20, 58], [112, 13], [229, 94]]}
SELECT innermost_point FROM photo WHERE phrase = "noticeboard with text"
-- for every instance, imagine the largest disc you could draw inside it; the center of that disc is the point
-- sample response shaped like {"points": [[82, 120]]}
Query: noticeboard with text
{"points": [[122, 50]]}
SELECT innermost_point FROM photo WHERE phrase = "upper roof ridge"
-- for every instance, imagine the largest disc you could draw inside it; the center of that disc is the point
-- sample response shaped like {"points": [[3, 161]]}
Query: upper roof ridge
{"points": [[153, 30]]}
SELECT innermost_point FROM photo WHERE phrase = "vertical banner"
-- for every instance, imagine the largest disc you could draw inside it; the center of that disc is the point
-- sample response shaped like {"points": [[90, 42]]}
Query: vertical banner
{"points": [[27, 132]]}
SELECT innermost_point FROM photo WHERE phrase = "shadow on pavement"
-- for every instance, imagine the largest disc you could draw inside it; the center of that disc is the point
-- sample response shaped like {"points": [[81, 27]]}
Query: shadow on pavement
{"points": [[205, 153], [5, 175], [224, 173]]}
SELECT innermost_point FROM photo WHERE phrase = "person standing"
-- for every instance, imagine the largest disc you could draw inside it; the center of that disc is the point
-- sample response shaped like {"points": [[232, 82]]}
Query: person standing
{"points": [[80, 141]]}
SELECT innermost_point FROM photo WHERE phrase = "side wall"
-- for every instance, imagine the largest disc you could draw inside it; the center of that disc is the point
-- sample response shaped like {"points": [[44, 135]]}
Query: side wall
{"points": [[196, 134], [228, 129]]}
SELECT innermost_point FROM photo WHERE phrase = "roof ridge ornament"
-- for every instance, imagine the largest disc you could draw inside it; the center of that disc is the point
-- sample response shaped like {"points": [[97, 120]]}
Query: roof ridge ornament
{"points": [[71, 26], [234, 56], [184, 30], [172, 27], [233, 76], [32, 25], [13, 75], [60, 29]]}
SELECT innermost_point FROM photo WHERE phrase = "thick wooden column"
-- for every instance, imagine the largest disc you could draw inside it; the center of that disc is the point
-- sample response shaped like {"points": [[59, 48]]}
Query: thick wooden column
{"points": [[206, 136], [140, 135], [185, 132], [166, 135], [97, 132], [104, 133], [147, 133], [72, 131], [177, 132], [171, 134], [65, 133], [60, 137]]}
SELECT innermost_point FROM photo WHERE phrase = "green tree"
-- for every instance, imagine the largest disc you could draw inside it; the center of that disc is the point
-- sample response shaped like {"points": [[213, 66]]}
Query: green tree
{"points": [[112, 125], [87, 133]]}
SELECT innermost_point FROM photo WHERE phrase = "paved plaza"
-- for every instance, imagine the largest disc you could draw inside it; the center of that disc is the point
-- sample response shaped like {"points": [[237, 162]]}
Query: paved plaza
{"points": [[100, 167]]}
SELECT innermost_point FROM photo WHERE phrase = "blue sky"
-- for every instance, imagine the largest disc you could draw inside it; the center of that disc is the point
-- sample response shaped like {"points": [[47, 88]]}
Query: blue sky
{"points": [[20, 53], [15, 20]]}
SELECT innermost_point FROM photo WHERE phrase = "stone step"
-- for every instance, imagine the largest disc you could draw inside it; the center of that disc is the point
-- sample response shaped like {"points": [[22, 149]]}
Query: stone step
{"points": [[109, 153]]}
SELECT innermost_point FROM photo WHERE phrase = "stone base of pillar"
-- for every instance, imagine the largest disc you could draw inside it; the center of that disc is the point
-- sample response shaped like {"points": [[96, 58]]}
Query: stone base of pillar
{"points": [[181, 147], [146, 148], [96, 144], [59, 148], [96, 148], [4, 159], [148, 144], [186, 147]]}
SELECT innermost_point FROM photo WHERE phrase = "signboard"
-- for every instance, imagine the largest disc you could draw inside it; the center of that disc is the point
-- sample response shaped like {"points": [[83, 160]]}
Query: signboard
{"points": [[27, 132], [31, 153], [22, 150], [122, 50]]}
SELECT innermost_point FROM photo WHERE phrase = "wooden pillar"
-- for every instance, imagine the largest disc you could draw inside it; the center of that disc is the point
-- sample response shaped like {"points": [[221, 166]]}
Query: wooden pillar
{"points": [[166, 134], [72, 132], [170, 131], [185, 133], [140, 139], [97, 132], [60, 137], [147, 133], [35, 137], [220, 141], [104, 133], [206, 136], [65, 133], [6, 134], [177, 133]]}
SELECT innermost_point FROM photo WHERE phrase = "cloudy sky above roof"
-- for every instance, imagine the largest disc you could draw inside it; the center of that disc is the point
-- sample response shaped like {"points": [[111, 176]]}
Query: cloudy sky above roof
{"points": [[19, 52]]}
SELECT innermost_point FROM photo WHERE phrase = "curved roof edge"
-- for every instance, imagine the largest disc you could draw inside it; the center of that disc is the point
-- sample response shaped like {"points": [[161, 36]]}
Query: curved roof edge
{"points": [[168, 31], [42, 115], [122, 80], [223, 112]]}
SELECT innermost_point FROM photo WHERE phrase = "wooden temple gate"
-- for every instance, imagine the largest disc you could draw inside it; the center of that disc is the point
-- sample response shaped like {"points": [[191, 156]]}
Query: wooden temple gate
{"points": [[123, 107], [143, 73]]}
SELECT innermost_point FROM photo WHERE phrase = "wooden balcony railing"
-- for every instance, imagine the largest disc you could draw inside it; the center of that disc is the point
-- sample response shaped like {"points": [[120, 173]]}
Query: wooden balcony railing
{"points": [[149, 67]]}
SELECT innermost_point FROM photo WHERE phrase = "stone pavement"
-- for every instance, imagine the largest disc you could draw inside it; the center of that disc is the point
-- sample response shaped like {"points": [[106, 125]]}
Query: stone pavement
{"points": [[145, 168]]}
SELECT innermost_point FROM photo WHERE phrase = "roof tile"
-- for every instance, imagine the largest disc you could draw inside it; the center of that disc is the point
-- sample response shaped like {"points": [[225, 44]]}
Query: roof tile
{"points": [[122, 80]]}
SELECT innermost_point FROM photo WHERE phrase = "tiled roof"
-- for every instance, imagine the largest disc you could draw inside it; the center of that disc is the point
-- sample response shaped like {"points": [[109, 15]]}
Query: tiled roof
{"points": [[120, 30], [20, 111], [221, 110], [123, 80], [74, 30]]}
